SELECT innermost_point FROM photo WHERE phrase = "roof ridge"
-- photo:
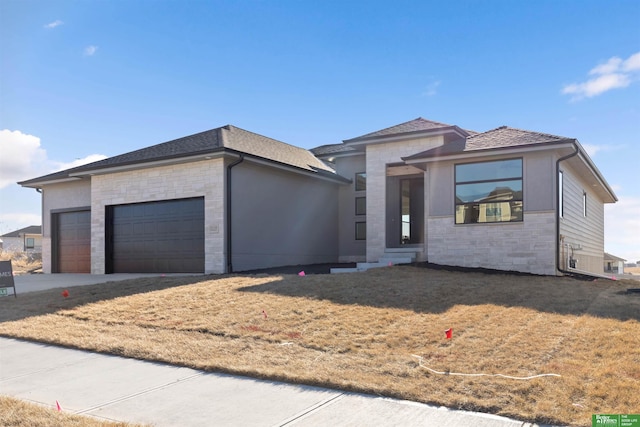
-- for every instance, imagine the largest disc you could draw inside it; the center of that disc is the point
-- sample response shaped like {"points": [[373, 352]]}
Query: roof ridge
{"points": [[519, 130], [385, 131], [229, 127]]}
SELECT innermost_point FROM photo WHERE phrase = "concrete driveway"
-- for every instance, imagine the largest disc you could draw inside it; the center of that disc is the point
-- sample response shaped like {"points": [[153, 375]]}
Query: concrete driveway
{"points": [[40, 282]]}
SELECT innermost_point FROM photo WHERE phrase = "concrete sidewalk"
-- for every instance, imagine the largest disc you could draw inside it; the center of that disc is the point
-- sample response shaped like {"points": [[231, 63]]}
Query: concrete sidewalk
{"points": [[122, 389]]}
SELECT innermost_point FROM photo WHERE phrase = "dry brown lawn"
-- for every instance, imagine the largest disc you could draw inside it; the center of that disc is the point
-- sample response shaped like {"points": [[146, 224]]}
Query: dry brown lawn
{"points": [[22, 263], [360, 332], [632, 270], [17, 413]]}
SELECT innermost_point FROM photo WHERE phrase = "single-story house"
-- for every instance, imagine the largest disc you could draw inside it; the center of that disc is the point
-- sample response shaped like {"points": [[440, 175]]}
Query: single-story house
{"points": [[613, 264], [27, 240], [231, 200]]}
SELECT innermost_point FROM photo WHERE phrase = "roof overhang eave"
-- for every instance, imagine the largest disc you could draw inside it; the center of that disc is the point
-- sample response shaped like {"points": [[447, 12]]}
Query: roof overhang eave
{"points": [[324, 174], [607, 194], [124, 167], [489, 151], [39, 184]]}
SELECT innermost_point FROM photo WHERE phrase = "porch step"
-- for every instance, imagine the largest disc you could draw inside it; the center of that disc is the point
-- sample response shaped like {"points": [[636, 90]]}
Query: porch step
{"points": [[393, 256]]}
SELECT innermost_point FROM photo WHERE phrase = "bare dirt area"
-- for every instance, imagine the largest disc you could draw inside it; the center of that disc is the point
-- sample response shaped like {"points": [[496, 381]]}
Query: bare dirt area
{"points": [[380, 331]]}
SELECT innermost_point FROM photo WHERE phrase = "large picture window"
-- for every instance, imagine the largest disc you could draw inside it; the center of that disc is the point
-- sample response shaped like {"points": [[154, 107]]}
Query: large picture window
{"points": [[489, 191]]}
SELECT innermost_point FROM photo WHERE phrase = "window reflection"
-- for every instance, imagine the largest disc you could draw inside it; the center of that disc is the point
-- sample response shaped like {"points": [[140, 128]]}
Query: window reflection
{"points": [[489, 192]]}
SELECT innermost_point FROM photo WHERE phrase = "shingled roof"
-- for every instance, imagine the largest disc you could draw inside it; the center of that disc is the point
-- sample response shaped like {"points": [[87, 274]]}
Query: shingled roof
{"points": [[502, 137], [410, 127], [221, 139], [329, 149], [32, 229]]}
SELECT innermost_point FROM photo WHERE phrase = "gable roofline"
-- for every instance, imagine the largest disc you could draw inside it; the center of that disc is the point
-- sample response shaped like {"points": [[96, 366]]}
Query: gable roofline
{"points": [[32, 229], [407, 130], [608, 256]]}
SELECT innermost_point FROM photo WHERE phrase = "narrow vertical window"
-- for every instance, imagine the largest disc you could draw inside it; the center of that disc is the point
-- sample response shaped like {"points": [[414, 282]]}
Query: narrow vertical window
{"points": [[560, 195], [361, 205], [361, 181], [361, 231], [584, 204]]}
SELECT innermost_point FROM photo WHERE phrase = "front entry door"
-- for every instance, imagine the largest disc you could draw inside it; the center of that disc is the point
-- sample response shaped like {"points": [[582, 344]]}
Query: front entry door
{"points": [[411, 211]]}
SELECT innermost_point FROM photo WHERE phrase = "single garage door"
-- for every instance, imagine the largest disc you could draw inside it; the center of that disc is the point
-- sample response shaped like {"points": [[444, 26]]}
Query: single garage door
{"points": [[156, 237], [73, 242]]}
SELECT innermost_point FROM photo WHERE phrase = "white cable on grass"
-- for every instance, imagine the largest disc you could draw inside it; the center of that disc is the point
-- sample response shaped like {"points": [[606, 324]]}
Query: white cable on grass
{"points": [[481, 375]]}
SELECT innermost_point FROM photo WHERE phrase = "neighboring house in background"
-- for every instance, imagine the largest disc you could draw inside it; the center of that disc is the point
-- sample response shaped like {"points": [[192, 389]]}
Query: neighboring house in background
{"points": [[231, 200], [613, 264], [28, 239]]}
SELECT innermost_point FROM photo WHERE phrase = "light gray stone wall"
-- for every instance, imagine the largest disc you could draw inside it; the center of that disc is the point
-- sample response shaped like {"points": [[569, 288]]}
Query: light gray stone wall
{"points": [[67, 195], [198, 179], [378, 156], [523, 246]]}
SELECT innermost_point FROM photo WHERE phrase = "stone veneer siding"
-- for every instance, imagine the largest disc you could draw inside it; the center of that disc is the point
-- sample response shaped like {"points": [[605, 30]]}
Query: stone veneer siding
{"points": [[527, 246], [378, 156], [186, 180], [67, 196]]}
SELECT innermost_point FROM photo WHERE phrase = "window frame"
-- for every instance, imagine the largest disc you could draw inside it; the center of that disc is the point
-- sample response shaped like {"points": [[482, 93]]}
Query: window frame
{"points": [[476, 204], [560, 194], [364, 180], [361, 224], [362, 211], [29, 239]]}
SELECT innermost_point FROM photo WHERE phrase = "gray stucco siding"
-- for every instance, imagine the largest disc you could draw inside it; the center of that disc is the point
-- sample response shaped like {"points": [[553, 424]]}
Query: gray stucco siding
{"points": [[537, 180], [350, 249], [281, 218]]}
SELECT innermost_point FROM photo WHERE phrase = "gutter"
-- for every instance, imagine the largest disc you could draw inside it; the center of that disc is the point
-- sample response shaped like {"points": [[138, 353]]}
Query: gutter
{"points": [[229, 215], [561, 159]]}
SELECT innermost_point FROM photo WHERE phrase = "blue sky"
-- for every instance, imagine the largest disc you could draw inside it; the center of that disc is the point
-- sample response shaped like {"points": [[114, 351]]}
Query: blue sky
{"points": [[80, 80]]}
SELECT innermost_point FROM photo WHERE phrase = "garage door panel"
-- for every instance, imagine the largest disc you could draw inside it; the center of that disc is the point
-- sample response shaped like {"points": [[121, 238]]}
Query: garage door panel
{"points": [[73, 235], [159, 237]]}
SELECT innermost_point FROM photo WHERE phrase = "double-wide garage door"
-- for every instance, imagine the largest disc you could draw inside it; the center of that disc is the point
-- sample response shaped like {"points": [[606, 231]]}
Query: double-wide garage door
{"points": [[156, 237]]}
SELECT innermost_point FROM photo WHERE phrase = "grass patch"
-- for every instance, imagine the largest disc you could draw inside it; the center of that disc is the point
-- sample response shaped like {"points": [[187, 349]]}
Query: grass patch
{"points": [[18, 413], [359, 331], [22, 262]]}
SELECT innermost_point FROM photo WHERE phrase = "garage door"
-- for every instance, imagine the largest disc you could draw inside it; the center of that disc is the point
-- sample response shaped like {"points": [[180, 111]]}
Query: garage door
{"points": [[73, 242], [157, 237]]}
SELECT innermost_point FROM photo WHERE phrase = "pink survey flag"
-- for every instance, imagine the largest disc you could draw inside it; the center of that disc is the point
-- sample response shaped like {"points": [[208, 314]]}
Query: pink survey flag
{"points": [[301, 273], [58, 406], [449, 333]]}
